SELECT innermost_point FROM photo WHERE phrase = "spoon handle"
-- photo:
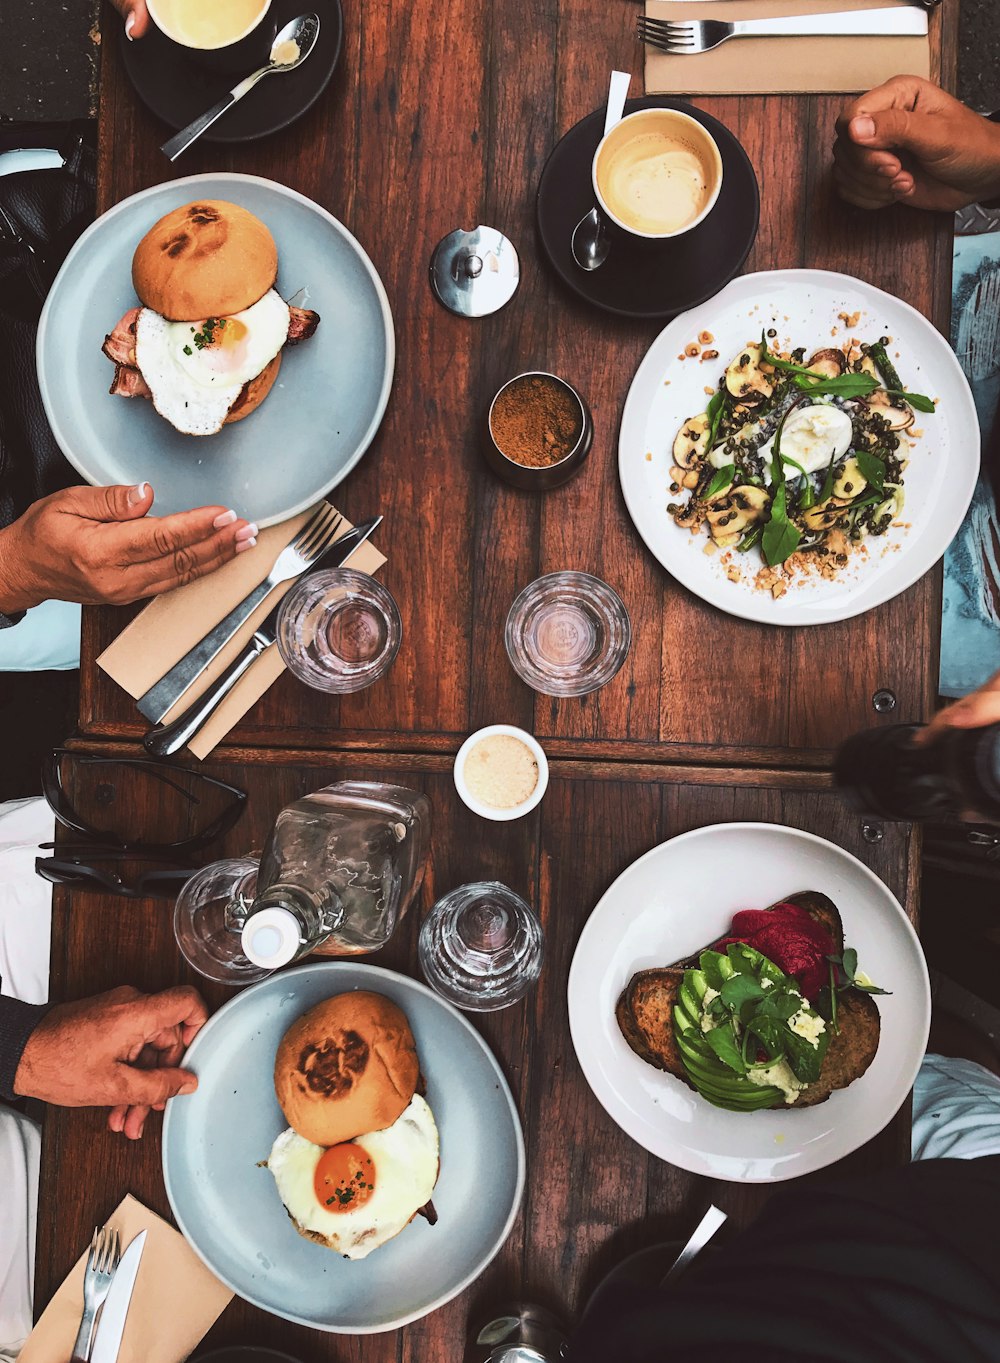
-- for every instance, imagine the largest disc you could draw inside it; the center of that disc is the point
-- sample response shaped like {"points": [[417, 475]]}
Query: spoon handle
{"points": [[703, 1232], [181, 141], [617, 95]]}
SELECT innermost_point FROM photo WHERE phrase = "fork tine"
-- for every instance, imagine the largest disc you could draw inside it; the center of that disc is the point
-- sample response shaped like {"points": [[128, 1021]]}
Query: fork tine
{"points": [[317, 528], [323, 536], [310, 526], [92, 1255], [668, 36], [664, 44]]}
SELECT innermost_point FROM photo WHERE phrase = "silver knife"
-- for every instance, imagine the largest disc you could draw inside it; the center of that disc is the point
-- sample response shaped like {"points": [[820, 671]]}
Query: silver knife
{"points": [[111, 1326], [166, 739], [155, 703]]}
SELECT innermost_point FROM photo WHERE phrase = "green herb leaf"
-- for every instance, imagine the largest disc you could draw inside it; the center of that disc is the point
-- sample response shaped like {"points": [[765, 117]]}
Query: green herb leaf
{"points": [[708, 962], [771, 1032], [805, 1059], [780, 538], [870, 988], [915, 400], [842, 386], [723, 1043], [872, 468], [739, 989], [826, 491], [714, 411], [722, 478], [849, 961]]}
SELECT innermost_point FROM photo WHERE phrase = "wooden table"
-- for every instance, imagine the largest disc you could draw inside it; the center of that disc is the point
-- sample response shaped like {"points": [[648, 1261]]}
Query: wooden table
{"points": [[439, 116]]}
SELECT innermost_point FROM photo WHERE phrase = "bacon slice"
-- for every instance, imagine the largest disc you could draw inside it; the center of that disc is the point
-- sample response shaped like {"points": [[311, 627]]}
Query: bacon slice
{"points": [[302, 322], [129, 383], [119, 345]]}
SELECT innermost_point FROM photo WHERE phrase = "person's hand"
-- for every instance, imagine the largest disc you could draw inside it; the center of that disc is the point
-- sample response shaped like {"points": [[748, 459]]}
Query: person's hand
{"points": [[909, 142], [97, 545], [119, 1050], [136, 17], [974, 711]]}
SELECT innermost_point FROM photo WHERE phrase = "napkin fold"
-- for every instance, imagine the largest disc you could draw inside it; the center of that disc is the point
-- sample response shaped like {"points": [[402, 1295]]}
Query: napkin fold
{"points": [[175, 1302], [748, 66], [172, 624]]}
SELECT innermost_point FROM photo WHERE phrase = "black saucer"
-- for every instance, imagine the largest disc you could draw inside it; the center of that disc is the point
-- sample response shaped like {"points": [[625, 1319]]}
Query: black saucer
{"points": [[645, 281], [175, 88]]}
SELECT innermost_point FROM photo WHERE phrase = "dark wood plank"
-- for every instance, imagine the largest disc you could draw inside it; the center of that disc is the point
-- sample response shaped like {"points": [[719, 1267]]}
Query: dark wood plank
{"points": [[592, 1194], [443, 115]]}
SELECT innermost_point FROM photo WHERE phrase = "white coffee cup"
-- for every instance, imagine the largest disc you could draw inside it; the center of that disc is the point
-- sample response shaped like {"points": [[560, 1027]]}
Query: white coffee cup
{"points": [[208, 31], [657, 174]]}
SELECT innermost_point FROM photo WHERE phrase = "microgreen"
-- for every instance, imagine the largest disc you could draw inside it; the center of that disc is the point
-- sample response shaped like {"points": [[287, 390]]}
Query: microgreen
{"points": [[780, 538], [722, 478], [915, 400], [715, 411], [872, 468]]}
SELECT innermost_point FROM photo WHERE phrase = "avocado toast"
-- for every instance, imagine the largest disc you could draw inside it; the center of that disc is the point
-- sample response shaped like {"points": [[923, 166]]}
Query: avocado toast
{"points": [[738, 1026]]}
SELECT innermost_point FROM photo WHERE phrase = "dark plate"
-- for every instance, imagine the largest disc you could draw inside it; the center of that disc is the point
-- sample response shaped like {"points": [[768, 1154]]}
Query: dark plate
{"points": [[177, 89], [648, 281]]}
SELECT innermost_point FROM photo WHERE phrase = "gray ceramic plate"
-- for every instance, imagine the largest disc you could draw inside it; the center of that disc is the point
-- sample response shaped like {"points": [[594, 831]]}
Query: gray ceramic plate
{"points": [[317, 421], [230, 1211]]}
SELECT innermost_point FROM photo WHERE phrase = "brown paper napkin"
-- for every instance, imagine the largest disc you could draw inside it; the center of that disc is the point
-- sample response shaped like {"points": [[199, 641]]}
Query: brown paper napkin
{"points": [[175, 1302], [747, 66], [169, 626]]}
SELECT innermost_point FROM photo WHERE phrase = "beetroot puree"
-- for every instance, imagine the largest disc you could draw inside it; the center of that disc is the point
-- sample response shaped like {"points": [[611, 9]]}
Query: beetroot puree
{"points": [[791, 939]]}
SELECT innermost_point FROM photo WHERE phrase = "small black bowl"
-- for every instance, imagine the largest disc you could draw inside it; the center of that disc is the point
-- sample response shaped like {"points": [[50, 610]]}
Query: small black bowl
{"points": [[526, 476]]}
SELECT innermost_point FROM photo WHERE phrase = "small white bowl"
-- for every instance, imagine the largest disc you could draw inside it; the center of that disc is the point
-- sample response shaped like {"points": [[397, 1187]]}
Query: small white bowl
{"points": [[490, 811]]}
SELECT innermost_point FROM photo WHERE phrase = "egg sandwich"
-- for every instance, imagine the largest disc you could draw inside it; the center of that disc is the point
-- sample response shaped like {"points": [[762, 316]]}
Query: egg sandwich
{"points": [[360, 1157], [205, 345], [774, 1014]]}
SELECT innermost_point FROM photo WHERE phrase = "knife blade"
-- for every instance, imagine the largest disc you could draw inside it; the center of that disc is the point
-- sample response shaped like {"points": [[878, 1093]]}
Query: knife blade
{"points": [[165, 693], [163, 740], [111, 1325]]}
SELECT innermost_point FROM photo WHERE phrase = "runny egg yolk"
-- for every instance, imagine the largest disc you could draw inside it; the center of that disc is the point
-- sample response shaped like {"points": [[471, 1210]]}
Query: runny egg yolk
{"points": [[345, 1177]]}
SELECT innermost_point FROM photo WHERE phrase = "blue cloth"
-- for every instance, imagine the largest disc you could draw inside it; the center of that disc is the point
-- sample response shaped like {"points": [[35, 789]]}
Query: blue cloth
{"points": [[46, 640]]}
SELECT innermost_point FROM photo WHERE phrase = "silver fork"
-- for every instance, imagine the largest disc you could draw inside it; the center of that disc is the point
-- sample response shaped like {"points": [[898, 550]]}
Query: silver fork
{"points": [[105, 1251], [315, 536], [684, 37]]}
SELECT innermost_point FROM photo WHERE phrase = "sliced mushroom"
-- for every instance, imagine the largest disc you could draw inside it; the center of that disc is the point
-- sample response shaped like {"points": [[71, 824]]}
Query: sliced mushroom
{"points": [[830, 363], [691, 444], [821, 517], [897, 417], [690, 518], [735, 513], [849, 482], [745, 378]]}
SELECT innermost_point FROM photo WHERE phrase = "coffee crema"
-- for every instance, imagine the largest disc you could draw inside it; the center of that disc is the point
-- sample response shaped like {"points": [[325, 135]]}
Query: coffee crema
{"points": [[197, 24], [655, 182]]}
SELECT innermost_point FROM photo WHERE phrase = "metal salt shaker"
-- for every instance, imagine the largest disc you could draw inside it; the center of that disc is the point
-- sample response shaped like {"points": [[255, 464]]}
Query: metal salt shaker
{"points": [[521, 1334]]}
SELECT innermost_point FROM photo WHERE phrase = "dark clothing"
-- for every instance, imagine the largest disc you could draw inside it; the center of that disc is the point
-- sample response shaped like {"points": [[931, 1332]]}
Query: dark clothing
{"points": [[902, 1267], [17, 1021]]}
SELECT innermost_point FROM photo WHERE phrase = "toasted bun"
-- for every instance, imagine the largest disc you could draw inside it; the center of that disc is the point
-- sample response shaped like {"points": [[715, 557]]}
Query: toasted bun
{"points": [[207, 259], [347, 1066], [254, 392]]}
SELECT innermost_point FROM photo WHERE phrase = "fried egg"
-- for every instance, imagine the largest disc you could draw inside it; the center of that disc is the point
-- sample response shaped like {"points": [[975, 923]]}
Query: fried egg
{"points": [[359, 1194], [196, 370]]}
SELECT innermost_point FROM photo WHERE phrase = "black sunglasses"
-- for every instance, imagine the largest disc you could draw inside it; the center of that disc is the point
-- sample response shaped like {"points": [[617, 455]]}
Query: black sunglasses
{"points": [[111, 839], [67, 867]]}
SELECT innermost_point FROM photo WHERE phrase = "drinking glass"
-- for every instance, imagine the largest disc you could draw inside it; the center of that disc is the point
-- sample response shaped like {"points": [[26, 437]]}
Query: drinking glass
{"points": [[339, 630], [567, 634], [480, 947]]}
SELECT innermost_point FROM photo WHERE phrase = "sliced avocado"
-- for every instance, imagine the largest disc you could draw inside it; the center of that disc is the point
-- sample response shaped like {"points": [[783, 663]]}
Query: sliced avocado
{"points": [[683, 1021], [698, 983], [691, 1002]]}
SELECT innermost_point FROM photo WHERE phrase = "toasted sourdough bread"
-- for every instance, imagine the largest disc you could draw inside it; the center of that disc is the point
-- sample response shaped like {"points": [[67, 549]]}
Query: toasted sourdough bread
{"points": [[645, 1015]]}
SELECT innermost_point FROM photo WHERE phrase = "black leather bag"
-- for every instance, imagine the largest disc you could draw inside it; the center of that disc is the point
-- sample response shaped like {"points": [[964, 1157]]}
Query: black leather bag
{"points": [[42, 212]]}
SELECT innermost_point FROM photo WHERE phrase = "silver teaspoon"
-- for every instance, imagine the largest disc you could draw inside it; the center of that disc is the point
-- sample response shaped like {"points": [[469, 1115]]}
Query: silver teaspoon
{"points": [[289, 50], [591, 243], [703, 1232]]}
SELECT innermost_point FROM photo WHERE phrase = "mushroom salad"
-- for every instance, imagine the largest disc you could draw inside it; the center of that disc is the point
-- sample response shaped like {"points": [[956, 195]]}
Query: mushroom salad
{"points": [[795, 457]]}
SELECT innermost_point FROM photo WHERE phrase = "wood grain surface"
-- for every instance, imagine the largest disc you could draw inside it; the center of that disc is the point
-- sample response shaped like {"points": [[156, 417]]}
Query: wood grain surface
{"points": [[593, 1195], [442, 115]]}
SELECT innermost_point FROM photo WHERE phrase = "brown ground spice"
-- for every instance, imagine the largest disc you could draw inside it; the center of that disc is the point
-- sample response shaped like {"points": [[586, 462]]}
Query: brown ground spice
{"points": [[536, 422]]}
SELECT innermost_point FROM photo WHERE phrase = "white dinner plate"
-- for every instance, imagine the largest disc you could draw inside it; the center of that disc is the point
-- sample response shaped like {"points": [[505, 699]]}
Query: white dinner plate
{"points": [[228, 1207], [316, 422], [804, 307], [680, 897]]}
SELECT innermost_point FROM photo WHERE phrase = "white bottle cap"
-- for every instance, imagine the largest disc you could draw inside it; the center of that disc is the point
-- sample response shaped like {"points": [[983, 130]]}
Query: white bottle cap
{"points": [[270, 938]]}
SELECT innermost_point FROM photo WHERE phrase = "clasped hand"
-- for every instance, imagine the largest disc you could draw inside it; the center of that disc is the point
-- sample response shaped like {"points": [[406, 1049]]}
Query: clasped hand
{"points": [[120, 1050]]}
